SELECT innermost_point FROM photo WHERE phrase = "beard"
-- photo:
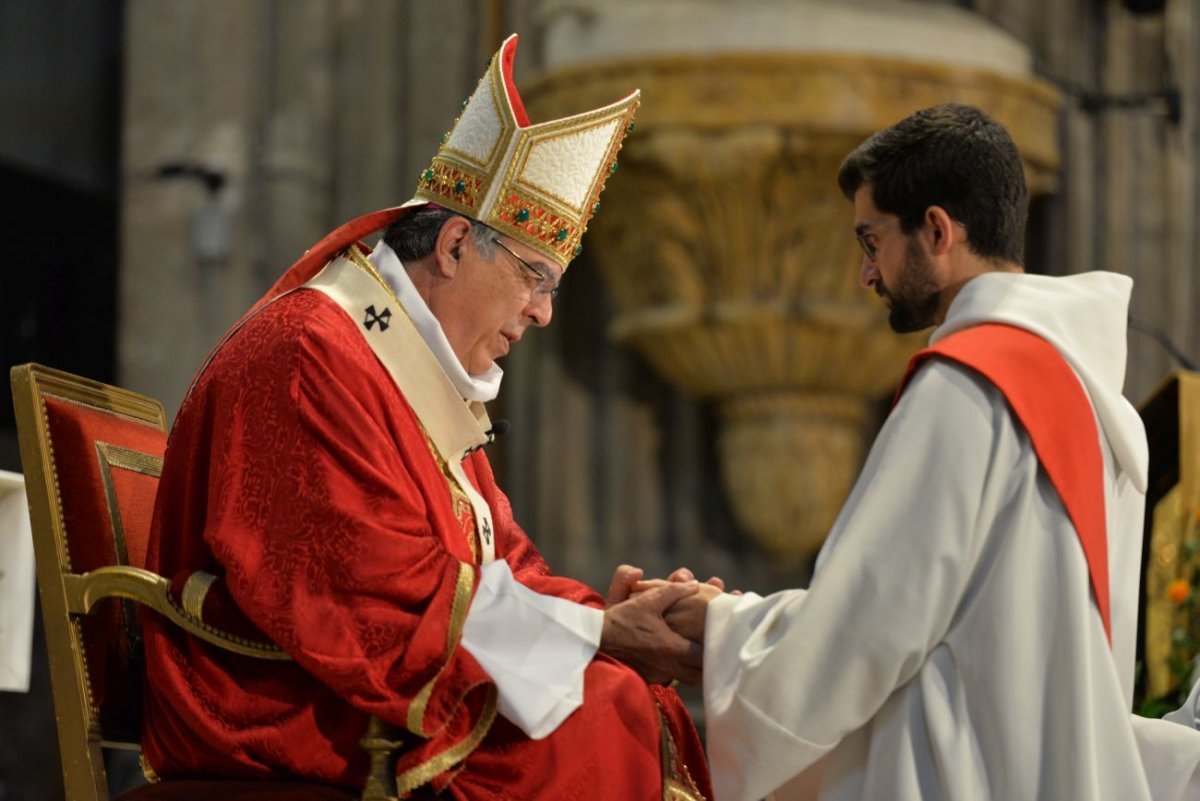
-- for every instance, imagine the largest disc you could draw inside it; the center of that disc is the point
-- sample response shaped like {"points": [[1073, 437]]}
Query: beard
{"points": [[914, 298]]}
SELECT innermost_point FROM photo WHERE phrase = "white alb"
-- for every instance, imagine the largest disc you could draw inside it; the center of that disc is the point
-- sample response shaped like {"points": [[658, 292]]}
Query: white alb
{"points": [[949, 646]]}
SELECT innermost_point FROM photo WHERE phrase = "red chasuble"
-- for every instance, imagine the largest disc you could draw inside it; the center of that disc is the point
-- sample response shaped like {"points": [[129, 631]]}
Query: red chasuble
{"points": [[298, 473], [1049, 402]]}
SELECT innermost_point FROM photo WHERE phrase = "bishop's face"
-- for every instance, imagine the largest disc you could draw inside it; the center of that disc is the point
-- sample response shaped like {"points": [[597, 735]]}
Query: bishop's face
{"points": [[495, 300], [895, 265]]}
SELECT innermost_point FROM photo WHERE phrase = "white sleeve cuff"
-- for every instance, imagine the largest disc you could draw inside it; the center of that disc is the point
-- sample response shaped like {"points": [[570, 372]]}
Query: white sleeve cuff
{"points": [[535, 648], [1188, 714]]}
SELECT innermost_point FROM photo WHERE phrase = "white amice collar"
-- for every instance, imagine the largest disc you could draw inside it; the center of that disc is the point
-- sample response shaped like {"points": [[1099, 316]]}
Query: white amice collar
{"points": [[1084, 317], [481, 388]]}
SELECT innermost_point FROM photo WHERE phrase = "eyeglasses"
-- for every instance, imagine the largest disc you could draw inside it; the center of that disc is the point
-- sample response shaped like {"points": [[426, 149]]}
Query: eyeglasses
{"points": [[546, 285], [868, 237]]}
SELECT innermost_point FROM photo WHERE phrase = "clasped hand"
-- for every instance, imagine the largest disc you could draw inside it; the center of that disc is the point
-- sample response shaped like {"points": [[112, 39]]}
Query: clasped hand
{"points": [[657, 626]]}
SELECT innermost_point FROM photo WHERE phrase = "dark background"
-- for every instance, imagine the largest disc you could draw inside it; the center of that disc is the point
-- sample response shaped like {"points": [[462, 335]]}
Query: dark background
{"points": [[60, 91]]}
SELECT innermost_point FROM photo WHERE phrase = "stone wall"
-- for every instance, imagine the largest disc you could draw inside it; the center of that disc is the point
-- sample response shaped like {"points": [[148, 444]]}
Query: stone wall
{"points": [[315, 111]]}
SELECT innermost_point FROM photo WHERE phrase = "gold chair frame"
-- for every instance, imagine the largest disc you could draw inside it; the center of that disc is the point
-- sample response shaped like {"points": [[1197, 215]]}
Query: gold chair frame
{"points": [[67, 596]]}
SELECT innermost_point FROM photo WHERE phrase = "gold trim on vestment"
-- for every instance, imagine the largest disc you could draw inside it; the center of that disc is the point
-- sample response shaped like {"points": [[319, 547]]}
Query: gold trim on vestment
{"points": [[458, 498], [458, 616], [454, 426], [426, 771], [462, 602], [678, 784], [147, 769], [363, 263]]}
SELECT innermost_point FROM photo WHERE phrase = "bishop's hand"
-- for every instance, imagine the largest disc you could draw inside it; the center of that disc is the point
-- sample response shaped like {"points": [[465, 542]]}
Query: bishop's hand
{"points": [[687, 615], [636, 633], [625, 581]]}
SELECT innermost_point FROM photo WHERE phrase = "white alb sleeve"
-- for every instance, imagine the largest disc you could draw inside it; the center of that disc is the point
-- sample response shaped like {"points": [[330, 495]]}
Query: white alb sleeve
{"points": [[1188, 714], [535, 647]]}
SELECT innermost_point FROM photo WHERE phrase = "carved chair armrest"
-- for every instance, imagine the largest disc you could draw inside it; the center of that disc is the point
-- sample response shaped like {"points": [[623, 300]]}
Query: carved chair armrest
{"points": [[381, 741], [152, 590]]}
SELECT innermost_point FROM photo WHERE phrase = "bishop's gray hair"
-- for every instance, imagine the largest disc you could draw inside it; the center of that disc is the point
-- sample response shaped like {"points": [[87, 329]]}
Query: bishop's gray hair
{"points": [[415, 234]]}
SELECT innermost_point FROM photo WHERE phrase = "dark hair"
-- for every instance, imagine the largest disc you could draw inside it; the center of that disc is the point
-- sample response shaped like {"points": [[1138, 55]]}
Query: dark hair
{"points": [[415, 234], [953, 156]]}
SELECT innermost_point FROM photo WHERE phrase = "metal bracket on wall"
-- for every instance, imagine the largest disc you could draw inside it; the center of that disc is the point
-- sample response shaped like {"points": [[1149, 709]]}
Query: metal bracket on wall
{"points": [[1168, 103]]}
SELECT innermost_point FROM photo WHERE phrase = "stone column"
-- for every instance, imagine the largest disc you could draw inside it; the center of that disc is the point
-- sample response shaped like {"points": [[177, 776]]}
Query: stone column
{"points": [[183, 251], [278, 121]]}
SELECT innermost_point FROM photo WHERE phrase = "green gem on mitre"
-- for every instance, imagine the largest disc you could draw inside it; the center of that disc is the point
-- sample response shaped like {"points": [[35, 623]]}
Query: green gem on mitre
{"points": [[629, 128], [459, 187], [523, 215], [445, 138], [427, 176], [578, 250], [613, 168], [561, 235]]}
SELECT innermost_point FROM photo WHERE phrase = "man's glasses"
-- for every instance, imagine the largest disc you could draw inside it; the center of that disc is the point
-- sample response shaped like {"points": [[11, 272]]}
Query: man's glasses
{"points": [[546, 285], [868, 237]]}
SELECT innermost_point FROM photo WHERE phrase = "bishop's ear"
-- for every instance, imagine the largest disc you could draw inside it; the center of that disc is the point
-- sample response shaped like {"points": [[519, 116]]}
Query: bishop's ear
{"points": [[450, 244]]}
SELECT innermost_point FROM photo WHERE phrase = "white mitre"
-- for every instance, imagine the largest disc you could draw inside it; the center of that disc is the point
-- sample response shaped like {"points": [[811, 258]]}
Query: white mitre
{"points": [[538, 184]]}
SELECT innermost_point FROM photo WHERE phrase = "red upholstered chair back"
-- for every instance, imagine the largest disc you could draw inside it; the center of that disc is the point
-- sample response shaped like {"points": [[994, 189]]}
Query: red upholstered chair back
{"points": [[92, 456]]}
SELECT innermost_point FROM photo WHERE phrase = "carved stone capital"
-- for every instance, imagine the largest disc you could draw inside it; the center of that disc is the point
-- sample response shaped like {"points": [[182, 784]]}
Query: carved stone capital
{"points": [[833, 99], [730, 254], [788, 460]]}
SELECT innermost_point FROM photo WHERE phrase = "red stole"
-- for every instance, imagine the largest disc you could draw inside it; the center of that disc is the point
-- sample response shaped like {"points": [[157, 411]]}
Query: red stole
{"points": [[1050, 404]]}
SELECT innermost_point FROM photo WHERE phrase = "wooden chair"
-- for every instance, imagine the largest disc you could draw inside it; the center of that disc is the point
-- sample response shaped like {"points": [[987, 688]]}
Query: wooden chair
{"points": [[92, 456]]}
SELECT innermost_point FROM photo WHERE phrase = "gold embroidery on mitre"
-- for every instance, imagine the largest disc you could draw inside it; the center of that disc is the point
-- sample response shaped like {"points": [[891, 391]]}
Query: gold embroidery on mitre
{"points": [[477, 110], [453, 184], [525, 219], [537, 183]]}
